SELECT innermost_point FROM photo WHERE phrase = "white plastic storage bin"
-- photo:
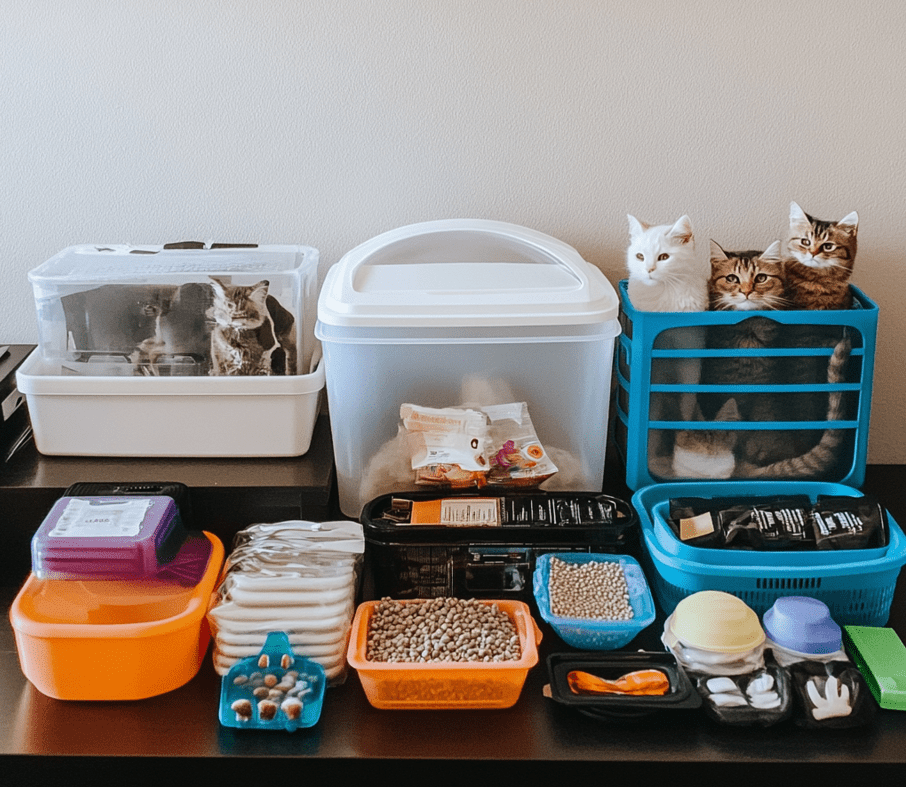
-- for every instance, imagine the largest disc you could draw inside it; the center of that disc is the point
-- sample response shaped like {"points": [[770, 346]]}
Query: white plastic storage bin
{"points": [[146, 310], [465, 312], [78, 415]]}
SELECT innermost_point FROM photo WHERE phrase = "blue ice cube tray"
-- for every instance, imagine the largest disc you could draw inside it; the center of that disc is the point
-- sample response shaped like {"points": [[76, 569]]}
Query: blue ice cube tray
{"points": [[275, 690]]}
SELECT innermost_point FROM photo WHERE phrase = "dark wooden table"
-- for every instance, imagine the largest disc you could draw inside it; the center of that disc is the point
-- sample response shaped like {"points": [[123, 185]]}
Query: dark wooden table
{"points": [[177, 736]]}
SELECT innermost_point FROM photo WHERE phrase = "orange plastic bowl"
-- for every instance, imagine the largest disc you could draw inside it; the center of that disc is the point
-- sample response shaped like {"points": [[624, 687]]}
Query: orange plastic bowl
{"points": [[113, 640], [460, 684]]}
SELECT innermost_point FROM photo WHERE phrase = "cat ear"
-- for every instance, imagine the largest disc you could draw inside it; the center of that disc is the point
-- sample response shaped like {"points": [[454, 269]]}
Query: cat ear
{"points": [[849, 223], [636, 227], [728, 412], [797, 214], [772, 252], [682, 230], [717, 253], [800, 223], [258, 293], [218, 285]]}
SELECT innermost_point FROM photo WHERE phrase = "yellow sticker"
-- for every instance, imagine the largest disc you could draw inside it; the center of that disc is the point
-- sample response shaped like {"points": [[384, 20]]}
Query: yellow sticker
{"points": [[695, 526]]}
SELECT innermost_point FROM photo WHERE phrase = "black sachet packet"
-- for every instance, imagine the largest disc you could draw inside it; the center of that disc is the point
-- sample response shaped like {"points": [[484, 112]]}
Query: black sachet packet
{"points": [[780, 523], [765, 523], [841, 522]]}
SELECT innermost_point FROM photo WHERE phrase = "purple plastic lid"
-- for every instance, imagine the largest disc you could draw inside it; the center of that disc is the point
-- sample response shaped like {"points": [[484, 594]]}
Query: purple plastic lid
{"points": [[106, 537], [802, 624]]}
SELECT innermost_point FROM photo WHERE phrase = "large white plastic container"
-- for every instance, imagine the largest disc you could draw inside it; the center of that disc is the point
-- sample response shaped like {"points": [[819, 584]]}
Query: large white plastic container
{"points": [[458, 312], [79, 415], [93, 390]]}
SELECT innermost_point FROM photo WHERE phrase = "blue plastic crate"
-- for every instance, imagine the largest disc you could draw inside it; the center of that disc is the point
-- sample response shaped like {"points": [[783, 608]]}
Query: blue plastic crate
{"points": [[585, 633], [653, 506], [657, 349], [857, 591]]}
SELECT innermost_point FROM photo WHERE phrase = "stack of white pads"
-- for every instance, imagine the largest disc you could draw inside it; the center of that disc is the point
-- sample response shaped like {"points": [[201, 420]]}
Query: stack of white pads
{"points": [[298, 577]]}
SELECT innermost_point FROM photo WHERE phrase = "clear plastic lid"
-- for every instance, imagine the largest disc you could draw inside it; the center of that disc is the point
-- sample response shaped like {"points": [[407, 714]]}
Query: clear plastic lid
{"points": [[465, 272], [95, 263]]}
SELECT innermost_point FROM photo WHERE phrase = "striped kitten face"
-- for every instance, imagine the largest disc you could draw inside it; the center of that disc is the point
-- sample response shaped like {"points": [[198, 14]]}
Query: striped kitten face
{"points": [[239, 307], [822, 244], [746, 280]]}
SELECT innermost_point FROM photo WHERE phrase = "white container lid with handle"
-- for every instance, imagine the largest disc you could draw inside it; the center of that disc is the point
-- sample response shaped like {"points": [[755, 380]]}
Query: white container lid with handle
{"points": [[472, 272]]}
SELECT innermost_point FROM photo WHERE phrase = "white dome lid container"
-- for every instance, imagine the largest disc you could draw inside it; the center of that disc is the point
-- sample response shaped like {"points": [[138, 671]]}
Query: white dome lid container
{"points": [[449, 312]]}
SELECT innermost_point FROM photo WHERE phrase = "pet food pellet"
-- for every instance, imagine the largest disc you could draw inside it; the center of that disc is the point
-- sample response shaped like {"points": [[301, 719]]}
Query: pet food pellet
{"points": [[240, 679], [263, 660], [242, 709], [596, 590], [261, 692], [292, 707], [271, 680], [440, 630], [267, 710]]}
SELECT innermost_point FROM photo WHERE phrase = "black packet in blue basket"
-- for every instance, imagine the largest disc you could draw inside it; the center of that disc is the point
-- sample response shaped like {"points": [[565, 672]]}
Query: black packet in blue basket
{"points": [[842, 522], [755, 523]]}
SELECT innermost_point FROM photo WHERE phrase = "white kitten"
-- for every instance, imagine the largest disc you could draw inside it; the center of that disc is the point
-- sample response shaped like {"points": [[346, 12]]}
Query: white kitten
{"points": [[665, 274]]}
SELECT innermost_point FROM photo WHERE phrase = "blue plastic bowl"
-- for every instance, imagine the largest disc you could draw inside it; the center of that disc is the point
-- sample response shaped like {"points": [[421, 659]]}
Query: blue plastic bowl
{"points": [[587, 634]]}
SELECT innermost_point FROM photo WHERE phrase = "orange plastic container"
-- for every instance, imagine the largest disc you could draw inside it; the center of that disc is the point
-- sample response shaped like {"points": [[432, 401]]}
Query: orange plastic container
{"points": [[444, 684], [113, 640]]}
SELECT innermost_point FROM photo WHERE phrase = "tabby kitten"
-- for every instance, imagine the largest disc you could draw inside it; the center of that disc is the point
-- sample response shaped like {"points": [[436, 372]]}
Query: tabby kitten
{"points": [[747, 281], [715, 453], [242, 339], [819, 260], [180, 328]]}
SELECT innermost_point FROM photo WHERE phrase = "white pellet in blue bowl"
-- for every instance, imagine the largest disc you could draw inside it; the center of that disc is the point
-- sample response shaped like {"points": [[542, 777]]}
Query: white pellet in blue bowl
{"points": [[589, 633]]}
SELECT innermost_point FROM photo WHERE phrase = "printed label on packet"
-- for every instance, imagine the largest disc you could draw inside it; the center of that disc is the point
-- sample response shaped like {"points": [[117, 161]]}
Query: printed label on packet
{"points": [[457, 512], [98, 518]]}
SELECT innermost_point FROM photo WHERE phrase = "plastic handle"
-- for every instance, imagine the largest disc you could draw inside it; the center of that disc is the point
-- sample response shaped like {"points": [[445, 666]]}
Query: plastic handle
{"points": [[557, 251]]}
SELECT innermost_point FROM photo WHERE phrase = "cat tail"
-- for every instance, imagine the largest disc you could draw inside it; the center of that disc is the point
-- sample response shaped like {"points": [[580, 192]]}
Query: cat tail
{"points": [[818, 460]]}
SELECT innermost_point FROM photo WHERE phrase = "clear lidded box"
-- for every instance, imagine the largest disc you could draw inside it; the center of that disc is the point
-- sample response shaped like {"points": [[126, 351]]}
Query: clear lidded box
{"points": [[119, 310]]}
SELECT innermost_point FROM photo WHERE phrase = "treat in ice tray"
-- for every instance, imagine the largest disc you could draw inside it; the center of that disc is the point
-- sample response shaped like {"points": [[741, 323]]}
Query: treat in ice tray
{"points": [[274, 689]]}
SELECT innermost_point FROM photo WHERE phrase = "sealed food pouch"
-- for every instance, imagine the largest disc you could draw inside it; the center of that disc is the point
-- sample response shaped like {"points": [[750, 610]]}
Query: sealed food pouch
{"points": [[842, 522], [516, 456], [446, 445]]}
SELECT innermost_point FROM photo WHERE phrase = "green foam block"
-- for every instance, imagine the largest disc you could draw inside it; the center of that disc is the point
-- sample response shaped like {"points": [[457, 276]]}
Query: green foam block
{"points": [[880, 656]]}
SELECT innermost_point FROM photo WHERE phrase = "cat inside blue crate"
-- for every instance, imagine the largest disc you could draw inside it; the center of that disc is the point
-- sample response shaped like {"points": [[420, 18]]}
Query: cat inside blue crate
{"points": [[811, 270]]}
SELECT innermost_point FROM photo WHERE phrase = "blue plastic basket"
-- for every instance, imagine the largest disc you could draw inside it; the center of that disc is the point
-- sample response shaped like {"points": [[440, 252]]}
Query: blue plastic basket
{"points": [[587, 634], [640, 402], [857, 590], [653, 506]]}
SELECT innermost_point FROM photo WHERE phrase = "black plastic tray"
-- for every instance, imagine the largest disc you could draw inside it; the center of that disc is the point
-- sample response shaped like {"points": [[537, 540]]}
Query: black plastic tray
{"points": [[682, 695], [427, 561]]}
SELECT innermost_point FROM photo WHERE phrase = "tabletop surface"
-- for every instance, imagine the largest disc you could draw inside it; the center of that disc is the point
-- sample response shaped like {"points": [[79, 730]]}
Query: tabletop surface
{"points": [[51, 737]]}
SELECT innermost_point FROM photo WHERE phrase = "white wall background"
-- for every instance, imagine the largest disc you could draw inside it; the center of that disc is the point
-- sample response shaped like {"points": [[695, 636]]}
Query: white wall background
{"points": [[326, 122]]}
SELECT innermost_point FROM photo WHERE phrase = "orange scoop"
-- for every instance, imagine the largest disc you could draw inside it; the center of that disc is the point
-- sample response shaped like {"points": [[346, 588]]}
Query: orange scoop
{"points": [[645, 682]]}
